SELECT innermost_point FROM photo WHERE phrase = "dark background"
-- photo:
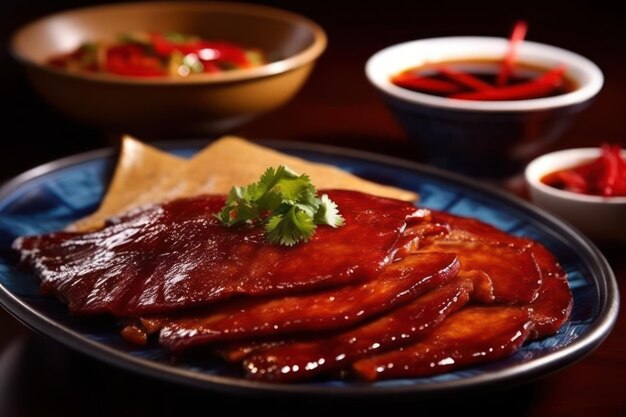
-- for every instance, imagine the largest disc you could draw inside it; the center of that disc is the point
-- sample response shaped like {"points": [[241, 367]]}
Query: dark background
{"points": [[337, 106]]}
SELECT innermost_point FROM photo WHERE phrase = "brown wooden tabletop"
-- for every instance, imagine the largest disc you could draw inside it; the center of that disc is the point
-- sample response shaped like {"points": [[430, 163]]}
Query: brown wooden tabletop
{"points": [[337, 106]]}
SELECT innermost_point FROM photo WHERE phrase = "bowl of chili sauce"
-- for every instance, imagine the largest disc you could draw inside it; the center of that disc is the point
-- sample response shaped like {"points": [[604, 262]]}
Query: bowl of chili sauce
{"points": [[584, 186], [483, 106]]}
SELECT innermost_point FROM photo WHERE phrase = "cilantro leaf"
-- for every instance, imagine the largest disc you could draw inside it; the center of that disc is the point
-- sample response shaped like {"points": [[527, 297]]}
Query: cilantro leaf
{"points": [[328, 213], [285, 202], [290, 228]]}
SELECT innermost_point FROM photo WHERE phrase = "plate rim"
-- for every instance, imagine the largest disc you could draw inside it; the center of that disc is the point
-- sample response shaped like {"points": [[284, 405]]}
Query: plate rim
{"points": [[602, 274]]}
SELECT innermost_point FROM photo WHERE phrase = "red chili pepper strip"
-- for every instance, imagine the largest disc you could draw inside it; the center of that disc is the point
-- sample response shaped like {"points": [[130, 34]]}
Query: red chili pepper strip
{"points": [[613, 179], [415, 82], [162, 46], [573, 181], [464, 79], [210, 67], [609, 176], [165, 47], [517, 36], [130, 59], [620, 186], [221, 51], [539, 87]]}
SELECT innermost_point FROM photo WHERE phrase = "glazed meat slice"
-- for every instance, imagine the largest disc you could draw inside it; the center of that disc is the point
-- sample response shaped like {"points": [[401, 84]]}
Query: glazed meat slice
{"points": [[507, 260], [553, 305], [544, 316], [304, 359], [237, 351], [514, 272], [468, 229], [476, 335], [176, 255], [471, 336], [324, 310]]}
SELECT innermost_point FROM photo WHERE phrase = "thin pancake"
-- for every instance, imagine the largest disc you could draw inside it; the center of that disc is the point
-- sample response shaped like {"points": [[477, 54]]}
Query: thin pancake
{"points": [[140, 168], [234, 161], [145, 175]]}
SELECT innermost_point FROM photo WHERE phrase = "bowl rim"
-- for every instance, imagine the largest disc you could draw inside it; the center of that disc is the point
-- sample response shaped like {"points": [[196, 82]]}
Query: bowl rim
{"points": [[375, 65], [539, 167], [306, 56]]}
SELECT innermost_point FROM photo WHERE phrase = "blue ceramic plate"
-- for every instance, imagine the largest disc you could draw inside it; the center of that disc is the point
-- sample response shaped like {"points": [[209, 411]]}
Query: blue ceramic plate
{"points": [[51, 196]]}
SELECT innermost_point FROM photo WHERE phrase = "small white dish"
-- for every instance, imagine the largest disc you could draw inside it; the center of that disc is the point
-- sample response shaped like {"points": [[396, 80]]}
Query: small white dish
{"points": [[601, 218]]}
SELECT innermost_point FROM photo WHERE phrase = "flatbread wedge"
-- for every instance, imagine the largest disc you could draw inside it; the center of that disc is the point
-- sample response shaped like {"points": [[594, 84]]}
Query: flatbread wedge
{"points": [[139, 170], [145, 175]]}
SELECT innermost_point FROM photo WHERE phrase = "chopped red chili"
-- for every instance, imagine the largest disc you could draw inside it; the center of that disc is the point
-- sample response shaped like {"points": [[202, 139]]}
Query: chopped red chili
{"points": [[157, 54], [604, 176]]}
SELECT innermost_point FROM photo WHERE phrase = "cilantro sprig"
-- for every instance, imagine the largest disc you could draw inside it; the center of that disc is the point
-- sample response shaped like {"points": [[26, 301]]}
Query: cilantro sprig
{"points": [[285, 202]]}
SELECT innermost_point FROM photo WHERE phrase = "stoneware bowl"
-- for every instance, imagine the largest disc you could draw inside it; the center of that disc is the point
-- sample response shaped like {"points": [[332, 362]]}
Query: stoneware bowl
{"points": [[204, 104], [479, 137], [601, 218]]}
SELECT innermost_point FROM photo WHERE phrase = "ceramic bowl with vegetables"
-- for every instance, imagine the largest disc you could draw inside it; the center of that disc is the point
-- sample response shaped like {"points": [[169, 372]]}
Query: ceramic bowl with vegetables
{"points": [[480, 105], [177, 67], [585, 186]]}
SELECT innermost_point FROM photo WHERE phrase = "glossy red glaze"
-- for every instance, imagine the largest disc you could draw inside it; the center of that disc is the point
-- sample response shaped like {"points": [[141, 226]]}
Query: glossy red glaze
{"points": [[471, 336], [508, 260], [304, 359], [549, 309], [553, 304], [516, 278], [398, 283], [388, 308], [176, 255], [604, 176], [236, 351], [475, 335]]}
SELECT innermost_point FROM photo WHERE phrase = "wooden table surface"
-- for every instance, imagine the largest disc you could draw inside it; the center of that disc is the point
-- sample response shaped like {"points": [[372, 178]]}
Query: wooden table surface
{"points": [[337, 106]]}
